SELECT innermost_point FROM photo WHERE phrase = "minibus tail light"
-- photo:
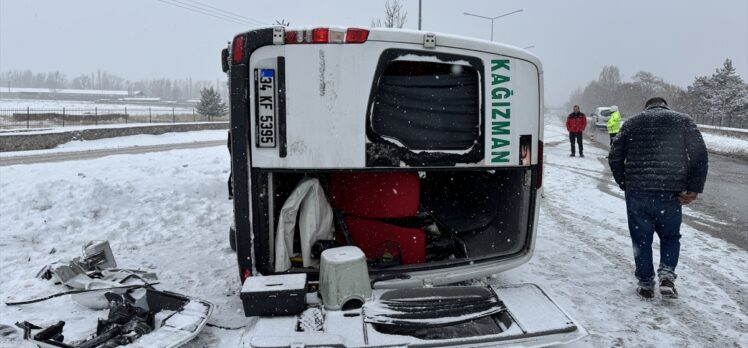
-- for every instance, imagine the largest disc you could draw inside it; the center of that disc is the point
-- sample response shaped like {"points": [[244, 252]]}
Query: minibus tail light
{"points": [[320, 35], [293, 37], [326, 35], [356, 35], [237, 51]]}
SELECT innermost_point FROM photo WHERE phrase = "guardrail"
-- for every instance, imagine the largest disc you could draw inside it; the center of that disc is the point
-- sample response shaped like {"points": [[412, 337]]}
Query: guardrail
{"points": [[732, 132]]}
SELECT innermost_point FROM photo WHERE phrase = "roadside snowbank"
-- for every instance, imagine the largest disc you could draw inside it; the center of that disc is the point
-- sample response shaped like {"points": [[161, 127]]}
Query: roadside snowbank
{"points": [[165, 212], [726, 144]]}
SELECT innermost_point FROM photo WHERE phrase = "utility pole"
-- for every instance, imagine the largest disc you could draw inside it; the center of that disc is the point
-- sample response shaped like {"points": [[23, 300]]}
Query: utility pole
{"points": [[492, 18], [419, 14]]}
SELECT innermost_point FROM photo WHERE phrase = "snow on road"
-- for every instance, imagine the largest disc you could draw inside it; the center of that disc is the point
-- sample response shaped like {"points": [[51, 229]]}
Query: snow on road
{"points": [[167, 212], [584, 258]]}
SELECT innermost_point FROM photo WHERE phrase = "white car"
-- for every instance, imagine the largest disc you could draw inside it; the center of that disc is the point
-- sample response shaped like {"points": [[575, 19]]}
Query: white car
{"points": [[428, 148], [601, 115]]}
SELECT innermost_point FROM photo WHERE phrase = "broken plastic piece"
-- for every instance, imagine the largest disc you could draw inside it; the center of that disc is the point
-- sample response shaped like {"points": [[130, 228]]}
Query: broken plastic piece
{"points": [[132, 316], [97, 255]]}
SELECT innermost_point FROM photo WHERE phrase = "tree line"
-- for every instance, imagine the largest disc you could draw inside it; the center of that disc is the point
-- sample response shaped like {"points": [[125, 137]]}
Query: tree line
{"points": [[720, 99], [168, 89]]}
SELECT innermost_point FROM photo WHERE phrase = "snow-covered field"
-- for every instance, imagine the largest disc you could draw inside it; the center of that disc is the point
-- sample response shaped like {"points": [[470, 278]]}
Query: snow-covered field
{"points": [[72, 106], [127, 141], [49, 130], [167, 212]]}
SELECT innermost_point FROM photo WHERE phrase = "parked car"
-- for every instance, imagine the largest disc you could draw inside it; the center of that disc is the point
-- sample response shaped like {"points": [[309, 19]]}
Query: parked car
{"points": [[601, 115], [420, 152]]}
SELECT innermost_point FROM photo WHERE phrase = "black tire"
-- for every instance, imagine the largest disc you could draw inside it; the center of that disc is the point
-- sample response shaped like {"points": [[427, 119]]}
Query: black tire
{"points": [[232, 239]]}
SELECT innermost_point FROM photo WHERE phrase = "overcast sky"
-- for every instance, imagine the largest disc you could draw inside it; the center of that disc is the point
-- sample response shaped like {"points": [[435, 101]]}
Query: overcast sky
{"points": [[139, 39]]}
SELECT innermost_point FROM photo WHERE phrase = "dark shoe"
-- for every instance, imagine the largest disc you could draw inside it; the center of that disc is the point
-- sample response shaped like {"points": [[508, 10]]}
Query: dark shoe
{"points": [[667, 289], [572, 155], [581, 155], [646, 294]]}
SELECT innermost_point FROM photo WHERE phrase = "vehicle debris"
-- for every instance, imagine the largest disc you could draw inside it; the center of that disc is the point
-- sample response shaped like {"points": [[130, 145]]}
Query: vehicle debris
{"points": [[137, 311]]}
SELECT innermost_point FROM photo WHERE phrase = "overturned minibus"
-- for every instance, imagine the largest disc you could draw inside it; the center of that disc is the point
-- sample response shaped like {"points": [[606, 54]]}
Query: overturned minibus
{"points": [[376, 175]]}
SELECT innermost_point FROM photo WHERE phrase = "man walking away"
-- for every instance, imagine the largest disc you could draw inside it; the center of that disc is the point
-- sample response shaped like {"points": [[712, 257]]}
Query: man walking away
{"points": [[576, 122], [659, 159], [614, 123]]}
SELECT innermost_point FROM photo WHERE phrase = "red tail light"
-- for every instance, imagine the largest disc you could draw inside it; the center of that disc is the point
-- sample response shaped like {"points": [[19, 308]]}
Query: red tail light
{"points": [[326, 35], [292, 37], [244, 273], [237, 52], [539, 181], [320, 35], [356, 35]]}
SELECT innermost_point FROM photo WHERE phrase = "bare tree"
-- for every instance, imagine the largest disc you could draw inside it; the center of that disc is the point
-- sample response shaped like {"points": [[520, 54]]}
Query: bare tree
{"points": [[394, 15]]}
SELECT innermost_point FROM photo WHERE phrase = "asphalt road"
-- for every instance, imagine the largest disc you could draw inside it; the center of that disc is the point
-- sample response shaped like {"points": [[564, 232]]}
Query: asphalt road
{"points": [[725, 197], [80, 155]]}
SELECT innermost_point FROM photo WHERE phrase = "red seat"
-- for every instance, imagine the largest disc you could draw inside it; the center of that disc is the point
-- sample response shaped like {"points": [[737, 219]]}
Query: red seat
{"points": [[365, 197], [375, 238], [376, 195]]}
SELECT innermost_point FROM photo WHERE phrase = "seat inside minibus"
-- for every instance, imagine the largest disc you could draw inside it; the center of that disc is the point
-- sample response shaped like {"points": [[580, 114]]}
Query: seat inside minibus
{"points": [[413, 219]]}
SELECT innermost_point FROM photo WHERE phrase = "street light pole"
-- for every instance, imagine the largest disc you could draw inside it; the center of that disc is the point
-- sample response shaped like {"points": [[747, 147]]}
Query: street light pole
{"points": [[419, 14], [492, 18]]}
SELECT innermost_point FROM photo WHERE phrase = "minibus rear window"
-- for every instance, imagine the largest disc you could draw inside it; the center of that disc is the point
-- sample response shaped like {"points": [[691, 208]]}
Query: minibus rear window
{"points": [[427, 105]]}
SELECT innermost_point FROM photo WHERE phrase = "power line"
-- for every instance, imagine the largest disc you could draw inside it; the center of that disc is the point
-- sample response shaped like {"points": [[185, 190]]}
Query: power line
{"points": [[193, 9], [205, 13], [198, 10], [224, 12]]}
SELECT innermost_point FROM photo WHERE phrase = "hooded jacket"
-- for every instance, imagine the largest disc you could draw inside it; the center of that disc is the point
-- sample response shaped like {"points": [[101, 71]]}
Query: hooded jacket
{"points": [[576, 122], [659, 150], [614, 122]]}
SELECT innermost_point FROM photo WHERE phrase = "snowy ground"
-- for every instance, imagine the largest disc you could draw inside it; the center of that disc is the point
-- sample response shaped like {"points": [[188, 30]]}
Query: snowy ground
{"points": [[167, 212], [127, 141]]}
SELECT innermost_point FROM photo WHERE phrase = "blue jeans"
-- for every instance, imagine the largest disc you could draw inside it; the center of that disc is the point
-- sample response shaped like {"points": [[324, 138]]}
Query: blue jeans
{"points": [[651, 212]]}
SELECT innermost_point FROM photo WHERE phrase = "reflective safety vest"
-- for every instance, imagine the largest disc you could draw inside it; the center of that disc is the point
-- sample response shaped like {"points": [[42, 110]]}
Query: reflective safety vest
{"points": [[614, 123]]}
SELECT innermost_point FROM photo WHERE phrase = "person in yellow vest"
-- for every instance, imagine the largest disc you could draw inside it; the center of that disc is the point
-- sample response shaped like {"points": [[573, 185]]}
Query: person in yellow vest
{"points": [[614, 123]]}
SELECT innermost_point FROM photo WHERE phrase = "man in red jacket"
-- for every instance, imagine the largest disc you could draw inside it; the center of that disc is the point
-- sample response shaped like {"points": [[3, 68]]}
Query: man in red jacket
{"points": [[576, 122]]}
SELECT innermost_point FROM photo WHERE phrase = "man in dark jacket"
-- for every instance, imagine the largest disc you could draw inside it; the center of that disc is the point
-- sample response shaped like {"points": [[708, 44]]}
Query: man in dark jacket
{"points": [[659, 159], [576, 122]]}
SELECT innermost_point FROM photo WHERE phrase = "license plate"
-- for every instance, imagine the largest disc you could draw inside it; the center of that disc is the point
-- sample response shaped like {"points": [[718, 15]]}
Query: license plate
{"points": [[265, 93]]}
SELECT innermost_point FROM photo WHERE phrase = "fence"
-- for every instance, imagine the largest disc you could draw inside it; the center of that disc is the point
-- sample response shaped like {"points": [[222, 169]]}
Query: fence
{"points": [[67, 117], [718, 121]]}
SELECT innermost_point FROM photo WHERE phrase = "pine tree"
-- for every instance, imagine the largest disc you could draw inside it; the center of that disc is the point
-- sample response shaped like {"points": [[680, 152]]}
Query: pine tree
{"points": [[211, 104], [730, 95], [720, 99]]}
